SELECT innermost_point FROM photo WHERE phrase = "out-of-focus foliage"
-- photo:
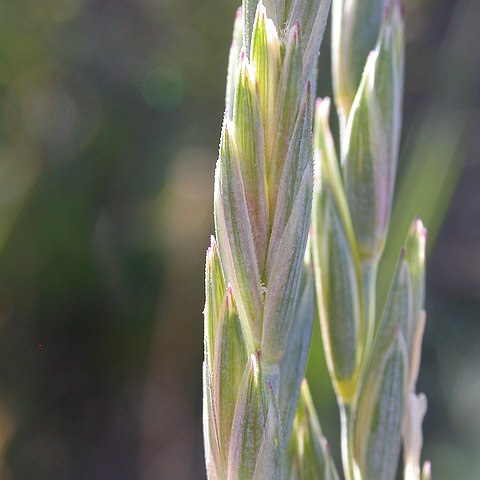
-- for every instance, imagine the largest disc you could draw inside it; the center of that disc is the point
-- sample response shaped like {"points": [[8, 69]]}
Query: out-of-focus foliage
{"points": [[109, 120]]}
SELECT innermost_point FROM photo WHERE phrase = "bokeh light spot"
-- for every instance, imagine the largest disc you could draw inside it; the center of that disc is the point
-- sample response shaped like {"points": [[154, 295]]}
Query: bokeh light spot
{"points": [[163, 88]]}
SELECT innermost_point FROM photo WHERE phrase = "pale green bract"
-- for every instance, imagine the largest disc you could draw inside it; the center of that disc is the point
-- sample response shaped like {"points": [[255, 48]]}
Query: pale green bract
{"points": [[276, 180]]}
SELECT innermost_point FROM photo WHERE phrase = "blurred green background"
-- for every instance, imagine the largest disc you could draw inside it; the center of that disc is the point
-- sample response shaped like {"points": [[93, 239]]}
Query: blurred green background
{"points": [[110, 114]]}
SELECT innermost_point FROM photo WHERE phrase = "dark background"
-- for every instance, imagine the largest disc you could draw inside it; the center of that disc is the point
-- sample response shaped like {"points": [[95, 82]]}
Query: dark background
{"points": [[110, 114]]}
